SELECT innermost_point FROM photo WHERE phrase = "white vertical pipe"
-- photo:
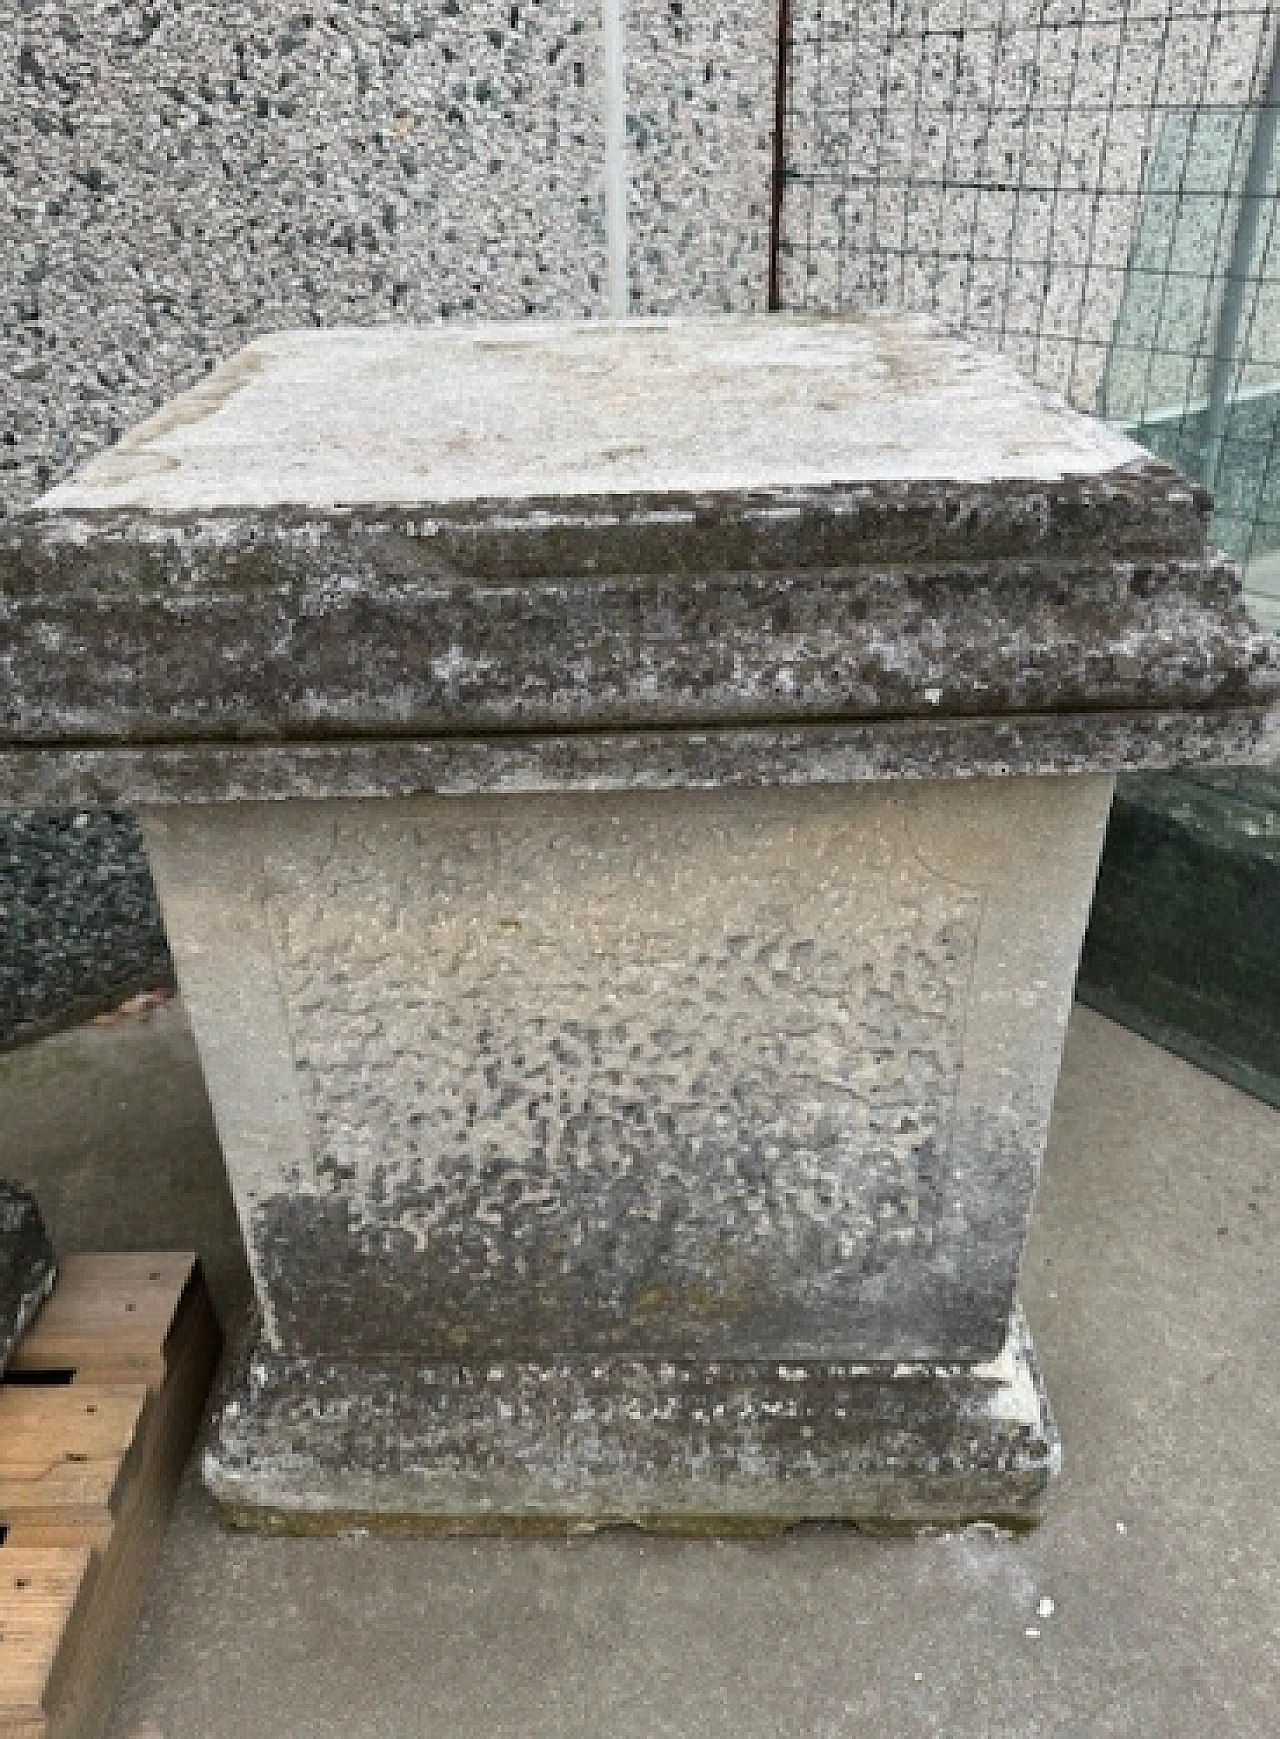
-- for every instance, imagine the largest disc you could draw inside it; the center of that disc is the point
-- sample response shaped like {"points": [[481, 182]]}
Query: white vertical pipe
{"points": [[615, 157]]}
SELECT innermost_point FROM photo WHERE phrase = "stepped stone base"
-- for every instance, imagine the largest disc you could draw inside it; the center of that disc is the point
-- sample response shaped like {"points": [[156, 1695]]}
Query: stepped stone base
{"points": [[313, 1446]]}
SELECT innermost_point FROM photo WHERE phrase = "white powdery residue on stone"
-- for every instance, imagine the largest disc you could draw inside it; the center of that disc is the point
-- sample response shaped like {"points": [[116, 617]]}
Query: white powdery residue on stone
{"points": [[1014, 1396]]}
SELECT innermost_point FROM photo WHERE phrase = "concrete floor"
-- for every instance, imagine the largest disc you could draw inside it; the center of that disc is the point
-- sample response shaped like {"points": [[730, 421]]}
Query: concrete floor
{"points": [[1151, 1284]]}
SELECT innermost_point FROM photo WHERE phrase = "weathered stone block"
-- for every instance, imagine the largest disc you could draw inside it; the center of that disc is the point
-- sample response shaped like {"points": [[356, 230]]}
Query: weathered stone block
{"points": [[687, 1074], [27, 1268], [625, 802]]}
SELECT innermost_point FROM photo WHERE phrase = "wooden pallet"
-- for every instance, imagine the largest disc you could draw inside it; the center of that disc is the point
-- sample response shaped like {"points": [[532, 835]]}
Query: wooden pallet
{"points": [[98, 1411]]}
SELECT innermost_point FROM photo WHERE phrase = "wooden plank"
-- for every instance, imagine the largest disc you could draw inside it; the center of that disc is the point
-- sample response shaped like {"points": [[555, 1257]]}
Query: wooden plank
{"points": [[108, 1317], [88, 1470], [39, 1591], [91, 1655], [64, 1453]]}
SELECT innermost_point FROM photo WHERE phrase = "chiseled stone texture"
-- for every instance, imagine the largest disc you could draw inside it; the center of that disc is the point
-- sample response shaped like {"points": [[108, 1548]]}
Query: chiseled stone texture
{"points": [[27, 1267], [712, 1073], [688, 1074]]}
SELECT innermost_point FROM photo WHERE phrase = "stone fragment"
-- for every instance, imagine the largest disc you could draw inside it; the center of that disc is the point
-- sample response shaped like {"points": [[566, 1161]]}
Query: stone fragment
{"points": [[27, 1267]]}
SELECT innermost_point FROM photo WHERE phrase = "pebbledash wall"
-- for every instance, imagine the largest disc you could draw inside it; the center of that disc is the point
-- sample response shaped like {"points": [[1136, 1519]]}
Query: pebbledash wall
{"points": [[179, 177]]}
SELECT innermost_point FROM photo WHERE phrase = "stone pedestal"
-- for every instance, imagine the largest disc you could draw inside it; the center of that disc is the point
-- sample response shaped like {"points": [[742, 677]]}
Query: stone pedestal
{"points": [[625, 803]]}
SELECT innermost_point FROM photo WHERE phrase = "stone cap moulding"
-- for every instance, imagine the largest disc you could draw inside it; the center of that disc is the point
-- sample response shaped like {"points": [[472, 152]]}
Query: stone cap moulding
{"points": [[615, 554]]}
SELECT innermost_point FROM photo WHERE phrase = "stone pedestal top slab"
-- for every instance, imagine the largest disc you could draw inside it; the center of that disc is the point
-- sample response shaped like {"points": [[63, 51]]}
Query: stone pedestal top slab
{"points": [[402, 416], [746, 550]]}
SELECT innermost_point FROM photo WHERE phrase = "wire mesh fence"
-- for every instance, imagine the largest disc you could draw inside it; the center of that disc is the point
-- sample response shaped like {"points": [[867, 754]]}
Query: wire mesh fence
{"points": [[1090, 187]]}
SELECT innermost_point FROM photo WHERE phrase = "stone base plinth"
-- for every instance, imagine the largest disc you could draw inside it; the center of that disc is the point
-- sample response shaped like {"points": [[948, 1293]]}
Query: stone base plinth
{"points": [[312, 1446]]}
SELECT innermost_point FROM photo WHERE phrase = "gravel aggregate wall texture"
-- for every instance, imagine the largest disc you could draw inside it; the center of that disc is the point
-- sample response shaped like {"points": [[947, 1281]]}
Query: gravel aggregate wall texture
{"points": [[79, 922], [180, 177], [700, 98]]}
